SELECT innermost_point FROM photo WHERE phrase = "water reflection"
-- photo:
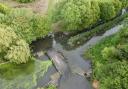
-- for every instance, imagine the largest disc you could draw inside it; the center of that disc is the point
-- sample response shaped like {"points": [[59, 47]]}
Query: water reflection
{"points": [[24, 76]]}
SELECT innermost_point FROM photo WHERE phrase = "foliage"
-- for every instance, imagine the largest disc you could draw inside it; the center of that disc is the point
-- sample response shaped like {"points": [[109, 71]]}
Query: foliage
{"points": [[23, 76], [40, 26], [114, 76], [12, 48], [109, 53], [109, 9], [18, 53], [26, 24], [124, 3], [76, 15], [4, 9], [25, 1], [122, 52], [109, 59], [49, 87], [84, 36], [117, 5], [7, 36]]}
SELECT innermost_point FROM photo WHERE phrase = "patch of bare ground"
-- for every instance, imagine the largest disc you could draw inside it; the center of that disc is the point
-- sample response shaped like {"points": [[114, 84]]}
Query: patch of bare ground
{"points": [[38, 6]]}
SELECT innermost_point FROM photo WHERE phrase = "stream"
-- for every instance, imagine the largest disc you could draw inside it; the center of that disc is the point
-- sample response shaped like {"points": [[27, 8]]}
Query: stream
{"points": [[72, 57], [69, 69]]}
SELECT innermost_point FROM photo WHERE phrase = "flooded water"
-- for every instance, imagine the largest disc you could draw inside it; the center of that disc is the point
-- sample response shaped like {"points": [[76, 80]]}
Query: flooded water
{"points": [[33, 74], [24, 76], [73, 57]]}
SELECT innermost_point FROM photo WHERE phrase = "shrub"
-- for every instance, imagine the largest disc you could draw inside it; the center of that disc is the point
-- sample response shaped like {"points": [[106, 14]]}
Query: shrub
{"points": [[40, 25], [12, 48], [109, 53], [18, 53], [84, 36], [107, 10], [124, 3], [26, 24], [116, 71], [123, 52], [76, 15], [117, 5], [124, 33], [7, 36], [4, 9]]}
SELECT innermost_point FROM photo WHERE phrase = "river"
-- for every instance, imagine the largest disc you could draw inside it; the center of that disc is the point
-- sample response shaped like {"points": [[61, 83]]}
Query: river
{"points": [[73, 57]]}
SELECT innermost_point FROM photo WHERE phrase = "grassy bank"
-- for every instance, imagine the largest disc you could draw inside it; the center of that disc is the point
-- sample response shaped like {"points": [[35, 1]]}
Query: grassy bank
{"points": [[109, 58], [83, 37], [23, 76]]}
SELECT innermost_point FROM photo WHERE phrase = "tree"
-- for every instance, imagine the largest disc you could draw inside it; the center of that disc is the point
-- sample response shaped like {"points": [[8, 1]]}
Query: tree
{"points": [[77, 15], [13, 48]]}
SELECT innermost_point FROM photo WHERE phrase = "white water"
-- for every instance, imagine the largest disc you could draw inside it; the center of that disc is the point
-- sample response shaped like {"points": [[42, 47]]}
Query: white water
{"points": [[123, 11]]}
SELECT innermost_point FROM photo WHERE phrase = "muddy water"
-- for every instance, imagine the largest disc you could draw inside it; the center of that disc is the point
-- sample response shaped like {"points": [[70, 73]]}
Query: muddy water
{"points": [[74, 59]]}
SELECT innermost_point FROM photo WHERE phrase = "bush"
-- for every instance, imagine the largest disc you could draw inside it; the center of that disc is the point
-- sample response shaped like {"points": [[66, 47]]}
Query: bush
{"points": [[84, 36], [18, 53], [115, 70], [109, 53], [117, 5], [12, 48], [121, 52], [124, 3], [4, 9], [7, 36], [124, 33], [113, 76], [40, 25], [107, 10], [25, 1], [76, 15], [26, 24]]}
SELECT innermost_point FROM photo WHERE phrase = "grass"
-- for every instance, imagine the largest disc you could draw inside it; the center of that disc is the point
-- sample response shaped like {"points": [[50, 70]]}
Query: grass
{"points": [[23, 76], [49, 87], [112, 71], [83, 37]]}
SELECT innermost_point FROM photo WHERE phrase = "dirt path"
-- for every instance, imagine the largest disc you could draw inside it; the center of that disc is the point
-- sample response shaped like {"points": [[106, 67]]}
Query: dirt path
{"points": [[38, 6]]}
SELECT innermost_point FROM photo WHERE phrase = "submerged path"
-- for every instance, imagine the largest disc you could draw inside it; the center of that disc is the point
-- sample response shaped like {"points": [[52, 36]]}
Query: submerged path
{"points": [[68, 80], [73, 66], [77, 64]]}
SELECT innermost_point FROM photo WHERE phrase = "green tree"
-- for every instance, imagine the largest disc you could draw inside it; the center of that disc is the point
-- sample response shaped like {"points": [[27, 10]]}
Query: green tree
{"points": [[76, 15], [107, 10], [124, 3], [13, 48]]}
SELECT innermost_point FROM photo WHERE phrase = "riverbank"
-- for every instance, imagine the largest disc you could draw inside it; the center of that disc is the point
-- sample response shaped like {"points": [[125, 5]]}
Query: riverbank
{"points": [[79, 39], [109, 58], [21, 26]]}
